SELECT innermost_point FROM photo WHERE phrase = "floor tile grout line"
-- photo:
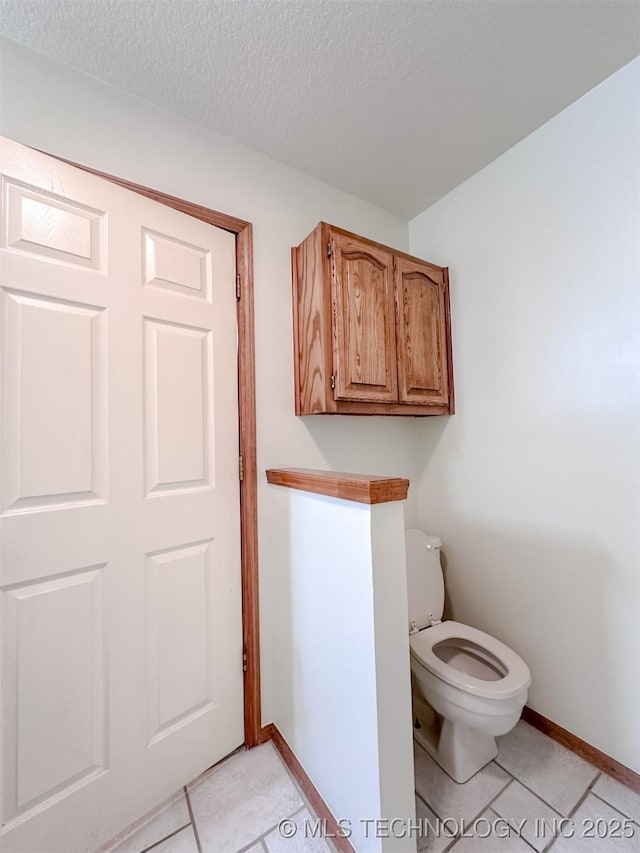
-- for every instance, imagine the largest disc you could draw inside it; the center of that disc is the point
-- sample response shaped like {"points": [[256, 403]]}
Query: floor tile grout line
{"points": [[488, 806], [454, 838], [268, 831], [452, 843], [584, 796], [501, 791], [519, 835], [529, 844], [457, 837], [296, 784], [512, 778], [420, 797], [431, 758], [531, 791], [459, 783], [547, 847], [575, 809], [193, 820], [305, 801], [202, 776], [517, 779], [429, 806], [493, 799], [261, 838], [431, 809], [506, 820], [615, 808], [162, 840], [127, 833]]}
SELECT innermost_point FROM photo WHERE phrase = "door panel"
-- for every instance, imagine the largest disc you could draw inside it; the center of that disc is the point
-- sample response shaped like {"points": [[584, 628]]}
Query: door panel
{"points": [[55, 635], [120, 580], [180, 673], [176, 266], [43, 468], [365, 337], [422, 349], [178, 394], [38, 222]]}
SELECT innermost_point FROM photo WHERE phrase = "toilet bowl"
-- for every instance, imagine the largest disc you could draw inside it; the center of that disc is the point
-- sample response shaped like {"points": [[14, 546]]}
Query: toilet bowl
{"points": [[467, 686]]}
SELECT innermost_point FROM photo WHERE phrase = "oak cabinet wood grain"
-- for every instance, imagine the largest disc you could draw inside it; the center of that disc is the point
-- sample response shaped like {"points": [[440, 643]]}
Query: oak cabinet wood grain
{"points": [[372, 332], [363, 293], [422, 333]]}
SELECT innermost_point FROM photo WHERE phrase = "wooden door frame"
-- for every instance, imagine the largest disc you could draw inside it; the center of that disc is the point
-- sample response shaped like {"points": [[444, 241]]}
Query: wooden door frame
{"points": [[247, 428]]}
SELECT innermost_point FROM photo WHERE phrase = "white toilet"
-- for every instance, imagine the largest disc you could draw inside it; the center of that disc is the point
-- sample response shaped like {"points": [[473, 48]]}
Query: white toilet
{"points": [[475, 684]]}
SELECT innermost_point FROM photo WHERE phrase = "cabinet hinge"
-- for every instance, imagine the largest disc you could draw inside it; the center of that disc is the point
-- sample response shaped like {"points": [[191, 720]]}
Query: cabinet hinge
{"points": [[333, 382], [237, 285], [329, 250], [244, 659], [241, 468]]}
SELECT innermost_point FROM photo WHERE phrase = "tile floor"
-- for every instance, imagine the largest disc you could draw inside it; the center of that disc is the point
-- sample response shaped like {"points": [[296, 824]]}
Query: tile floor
{"points": [[233, 808], [534, 783]]}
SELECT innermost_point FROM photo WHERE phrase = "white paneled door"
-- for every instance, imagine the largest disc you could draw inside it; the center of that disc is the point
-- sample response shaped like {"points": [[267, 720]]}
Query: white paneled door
{"points": [[120, 531]]}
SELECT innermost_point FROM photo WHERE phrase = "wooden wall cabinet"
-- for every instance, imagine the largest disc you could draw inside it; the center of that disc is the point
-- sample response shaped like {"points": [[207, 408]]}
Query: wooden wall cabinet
{"points": [[372, 331]]}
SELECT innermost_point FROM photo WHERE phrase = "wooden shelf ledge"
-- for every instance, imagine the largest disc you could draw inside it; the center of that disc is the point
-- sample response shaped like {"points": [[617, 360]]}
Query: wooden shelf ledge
{"points": [[363, 488]]}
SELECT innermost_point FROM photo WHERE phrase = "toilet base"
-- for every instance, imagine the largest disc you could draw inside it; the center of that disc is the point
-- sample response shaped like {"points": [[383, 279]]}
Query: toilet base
{"points": [[459, 750]]}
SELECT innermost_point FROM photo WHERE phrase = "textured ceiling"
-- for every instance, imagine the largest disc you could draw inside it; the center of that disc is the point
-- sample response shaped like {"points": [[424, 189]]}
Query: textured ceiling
{"points": [[396, 101]]}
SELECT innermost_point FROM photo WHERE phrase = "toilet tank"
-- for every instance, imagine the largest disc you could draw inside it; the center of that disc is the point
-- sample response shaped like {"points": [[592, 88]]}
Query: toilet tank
{"points": [[425, 584]]}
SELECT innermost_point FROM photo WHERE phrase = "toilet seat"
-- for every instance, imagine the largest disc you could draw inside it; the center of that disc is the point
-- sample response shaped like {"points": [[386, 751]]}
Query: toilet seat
{"points": [[515, 679]]}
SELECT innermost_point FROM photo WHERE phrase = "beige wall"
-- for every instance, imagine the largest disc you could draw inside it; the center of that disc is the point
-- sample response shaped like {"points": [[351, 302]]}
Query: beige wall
{"points": [[533, 485], [60, 111]]}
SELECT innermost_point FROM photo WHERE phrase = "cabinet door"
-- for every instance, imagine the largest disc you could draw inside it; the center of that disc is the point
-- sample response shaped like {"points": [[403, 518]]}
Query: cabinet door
{"points": [[422, 332], [364, 321]]}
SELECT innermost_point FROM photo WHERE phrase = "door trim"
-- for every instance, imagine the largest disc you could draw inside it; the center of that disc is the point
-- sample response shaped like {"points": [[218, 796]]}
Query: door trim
{"points": [[247, 429]]}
